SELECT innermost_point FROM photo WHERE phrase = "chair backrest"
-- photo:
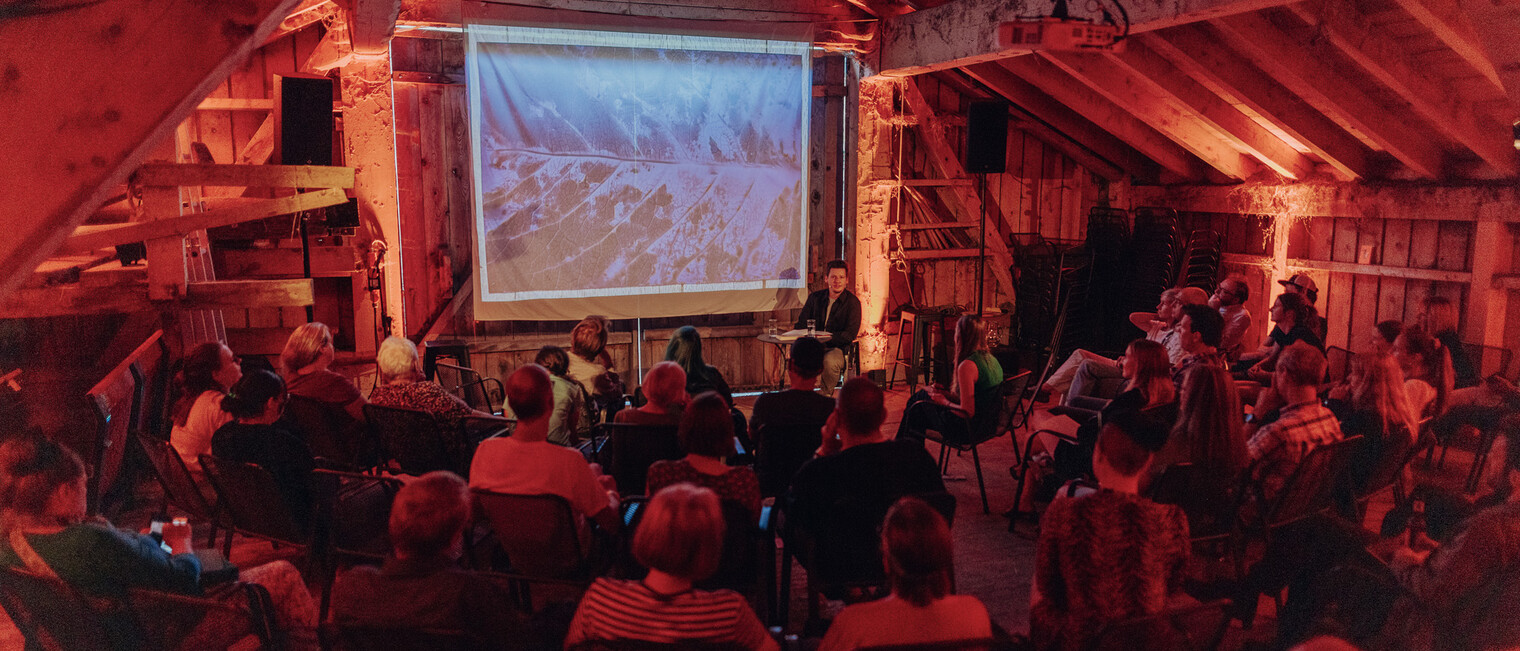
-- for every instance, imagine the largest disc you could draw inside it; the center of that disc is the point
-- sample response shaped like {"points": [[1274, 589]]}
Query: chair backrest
{"points": [[1337, 363], [251, 499], [1198, 627], [485, 394], [847, 549], [415, 441], [1489, 360], [367, 638], [1009, 394], [539, 533], [1311, 487], [780, 452], [739, 568], [360, 528], [179, 485], [1378, 464], [634, 448], [174, 621], [53, 617], [1208, 502], [329, 430], [116, 401], [449, 376]]}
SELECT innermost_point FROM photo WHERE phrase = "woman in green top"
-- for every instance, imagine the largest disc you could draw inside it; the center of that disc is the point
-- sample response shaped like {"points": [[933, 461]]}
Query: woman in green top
{"points": [[972, 399]]}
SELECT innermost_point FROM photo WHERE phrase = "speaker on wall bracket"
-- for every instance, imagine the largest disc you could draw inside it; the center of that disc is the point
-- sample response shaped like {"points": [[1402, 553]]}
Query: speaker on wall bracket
{"points": [[986, 137]]}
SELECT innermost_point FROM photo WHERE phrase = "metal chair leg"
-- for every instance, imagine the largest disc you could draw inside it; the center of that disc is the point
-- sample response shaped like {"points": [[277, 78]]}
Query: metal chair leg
{"points": [[976, 460]]}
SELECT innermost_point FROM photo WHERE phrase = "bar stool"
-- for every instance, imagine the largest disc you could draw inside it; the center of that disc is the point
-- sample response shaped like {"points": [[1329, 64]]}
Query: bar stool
{"points": [[905, 322]]}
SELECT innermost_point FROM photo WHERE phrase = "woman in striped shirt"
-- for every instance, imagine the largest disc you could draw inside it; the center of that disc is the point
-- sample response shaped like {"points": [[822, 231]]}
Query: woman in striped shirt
{"points": [[680, 540]]}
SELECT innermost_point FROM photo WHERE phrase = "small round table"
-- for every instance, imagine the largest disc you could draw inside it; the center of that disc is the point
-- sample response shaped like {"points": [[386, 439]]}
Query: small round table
{"points": [[783, 343]]}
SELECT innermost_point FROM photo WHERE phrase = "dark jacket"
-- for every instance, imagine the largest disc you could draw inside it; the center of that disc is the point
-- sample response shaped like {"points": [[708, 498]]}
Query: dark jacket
{"points": [[843, 323]]}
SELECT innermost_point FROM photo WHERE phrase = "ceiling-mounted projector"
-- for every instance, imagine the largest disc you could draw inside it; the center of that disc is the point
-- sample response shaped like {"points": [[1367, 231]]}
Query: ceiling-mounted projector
{"points": [[1061, 35]]}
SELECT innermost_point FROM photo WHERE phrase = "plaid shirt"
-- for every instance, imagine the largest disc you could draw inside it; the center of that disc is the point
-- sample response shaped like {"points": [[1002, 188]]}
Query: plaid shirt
{"points": [[1278, 448], [1189, 360]]}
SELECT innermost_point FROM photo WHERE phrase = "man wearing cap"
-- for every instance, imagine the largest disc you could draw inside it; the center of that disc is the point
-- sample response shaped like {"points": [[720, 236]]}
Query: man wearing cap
{"points": [[1303, 284]]}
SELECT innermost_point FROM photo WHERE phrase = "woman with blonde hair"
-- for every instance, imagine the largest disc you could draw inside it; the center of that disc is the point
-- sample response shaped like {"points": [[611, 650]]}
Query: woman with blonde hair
{"points": [[972, 399], [918, 554], [680, 540], [1375, 406], [305, 365], [1427, 370]]}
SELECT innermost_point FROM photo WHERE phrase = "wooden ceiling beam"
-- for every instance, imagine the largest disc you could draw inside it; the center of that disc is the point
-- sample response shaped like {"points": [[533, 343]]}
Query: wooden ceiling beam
{"points": [[308, 13], [1496, 24], [963, 32], [269, 176], [1290, 61], [371, 24], [90, 238], [1123, 88], [1445, 19], [1100, 111], [882, 8], [1197, 52], [1432, 99], [132, 77], [1063, 124], [1212, 110]]}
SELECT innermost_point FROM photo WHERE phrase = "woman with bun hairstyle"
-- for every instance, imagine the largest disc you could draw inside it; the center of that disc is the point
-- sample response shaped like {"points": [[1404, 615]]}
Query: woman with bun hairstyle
{"points": [[204, 376], [256, 403]]}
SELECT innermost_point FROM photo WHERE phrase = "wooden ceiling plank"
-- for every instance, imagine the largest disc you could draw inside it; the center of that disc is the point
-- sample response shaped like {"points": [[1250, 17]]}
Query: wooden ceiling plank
{"points": [[90, 238], [1433, 99], [1496, 24], [133, 77], [1063, 121], [964, 32], [1288, 60], [1097, 109], [1121, 87], [1446, 21], [275, 176], [1198, 54], [1211, 109]]}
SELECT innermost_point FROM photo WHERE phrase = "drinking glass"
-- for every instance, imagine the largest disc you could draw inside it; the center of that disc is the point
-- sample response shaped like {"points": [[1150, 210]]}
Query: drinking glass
{"points": [[812, 326]]}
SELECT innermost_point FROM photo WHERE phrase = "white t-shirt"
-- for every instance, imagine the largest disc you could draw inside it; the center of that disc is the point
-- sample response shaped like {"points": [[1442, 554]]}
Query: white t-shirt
{"points": [[194, 438], [507, 465]]}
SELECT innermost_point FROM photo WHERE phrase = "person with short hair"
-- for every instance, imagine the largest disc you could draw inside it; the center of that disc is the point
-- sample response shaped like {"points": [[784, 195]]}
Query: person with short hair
{"points": [[1109, 555], [1229, 298], [664, 397], [706, 434], [1099, 377], [526, 463], [401, 384], [1304, 424], [680, 540], [1200, 330], [256, 403], [419, 585], [917, 550], [204, 376], [570, 421], [799, 405], [835, 310]]}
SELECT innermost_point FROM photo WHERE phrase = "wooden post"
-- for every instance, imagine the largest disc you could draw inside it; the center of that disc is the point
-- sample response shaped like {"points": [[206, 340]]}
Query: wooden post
{"points": [[370, 148], [874, 190], [1487, 305]]}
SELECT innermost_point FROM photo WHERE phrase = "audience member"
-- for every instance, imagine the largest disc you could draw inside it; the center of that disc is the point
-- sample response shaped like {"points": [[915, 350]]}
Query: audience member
{"points": [[918, 553], [419, 585], [305, 363], [835, 310], [1095, 379], [526, 463], [256, 402], [664, 397], [707, 437], [1148, 390], [1373, 405], [1158, 328], [1110, 555], [1379, 341], [685, 350], [591, 365], [1295, 320], [1427, 371], [46, 530], [971, 402], [1440, 320], [799, 406], [569, 421], [204, 376], [1278, 447], [1208, 435], [680, 540], [1229, 298], [401, 384], [1199, 330], [1303, 285]]}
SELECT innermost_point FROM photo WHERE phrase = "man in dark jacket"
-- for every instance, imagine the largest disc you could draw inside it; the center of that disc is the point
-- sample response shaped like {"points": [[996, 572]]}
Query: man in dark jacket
{"points": [[836, 311]]}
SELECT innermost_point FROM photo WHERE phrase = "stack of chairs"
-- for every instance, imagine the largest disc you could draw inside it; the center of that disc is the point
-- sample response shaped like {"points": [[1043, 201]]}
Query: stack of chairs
{"points": [[1108, 238], [1200, 266], [1154, 253], [1038, 270]]}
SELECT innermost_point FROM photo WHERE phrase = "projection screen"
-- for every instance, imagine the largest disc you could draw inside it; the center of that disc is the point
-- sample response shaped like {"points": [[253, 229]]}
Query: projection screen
{"points": [[636, 175]]}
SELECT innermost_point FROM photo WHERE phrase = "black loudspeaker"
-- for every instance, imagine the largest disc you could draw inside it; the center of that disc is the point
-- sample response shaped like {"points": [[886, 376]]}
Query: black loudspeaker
{"points": [[303, 120], [986, 137]]}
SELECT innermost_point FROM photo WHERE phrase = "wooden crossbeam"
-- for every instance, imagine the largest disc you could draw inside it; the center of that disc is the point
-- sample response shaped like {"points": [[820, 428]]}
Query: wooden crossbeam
{"points": [[268, 176], [227, 294], [1408, 273], [935, 183], [90, 238], [1197, 52], [1130, 92], [1210, 109], [1285, 58], [937, 226], [1100, 111], [1476, 203], [940, 254], [1496, 24], [1432, 99], [1446, 20], [943, 156], [127, 293], [1104, 155]]}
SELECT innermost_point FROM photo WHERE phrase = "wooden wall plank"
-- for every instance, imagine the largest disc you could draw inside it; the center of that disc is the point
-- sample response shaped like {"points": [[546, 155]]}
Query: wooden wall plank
{"points": [[1452, 246], [1394, 252]]}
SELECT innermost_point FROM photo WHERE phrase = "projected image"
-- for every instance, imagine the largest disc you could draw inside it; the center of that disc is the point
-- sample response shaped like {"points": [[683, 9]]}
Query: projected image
{"points": [[608, 170]]}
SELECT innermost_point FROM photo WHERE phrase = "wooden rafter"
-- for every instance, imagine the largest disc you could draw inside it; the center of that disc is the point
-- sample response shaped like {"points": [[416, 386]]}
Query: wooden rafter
{"points": [[964, 32], [1212, 110], [132, 77], [1197, 53], [1100, 111], [306, 14], [126, 292], [1065, 124], [1446, 20], [1432, 99], [1128, 91], [371, 24], [90, 238], [278, 176], [882, 8], [931, 133], [1496, 24], [1285, 58]]}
